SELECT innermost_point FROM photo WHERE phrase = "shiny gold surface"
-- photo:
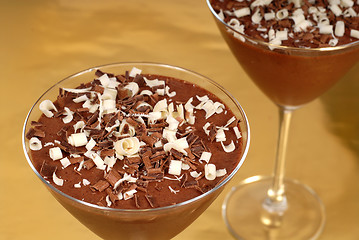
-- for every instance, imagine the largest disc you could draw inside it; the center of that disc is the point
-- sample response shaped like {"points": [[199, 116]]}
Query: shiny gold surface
{"points": [[45, 41]]}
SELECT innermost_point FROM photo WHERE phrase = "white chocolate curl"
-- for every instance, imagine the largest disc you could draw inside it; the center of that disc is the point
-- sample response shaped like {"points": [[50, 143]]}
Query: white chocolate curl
{"points": [[91, 144], [46, 106], [65, 162], [161, 106], [160, 91], [210, 171], [129, 194], [175, 167], [134, 71], [354, 33], [55, 153], [195, 174], [69, 115], [98, 161], [229, 148], [221, 172], [78, 139], [170, 94], [133, 87], [179, 145], [205, 156], [127, 146], [237, 132], [35, 144], [282, 14], [57, 181], [242, 12], [154, 83], [339, 29]]}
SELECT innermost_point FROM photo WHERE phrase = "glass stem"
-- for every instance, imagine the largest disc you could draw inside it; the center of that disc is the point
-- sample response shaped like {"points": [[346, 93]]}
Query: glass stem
{"points": [[276, 200]]}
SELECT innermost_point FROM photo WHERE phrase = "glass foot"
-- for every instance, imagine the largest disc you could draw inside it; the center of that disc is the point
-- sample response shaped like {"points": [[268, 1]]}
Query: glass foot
{"points": [[245, 217]]}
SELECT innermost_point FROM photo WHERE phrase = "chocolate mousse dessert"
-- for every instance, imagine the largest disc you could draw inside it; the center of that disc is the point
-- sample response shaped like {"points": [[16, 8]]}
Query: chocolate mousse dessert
{"points": [[302, 47], [135, 141]]}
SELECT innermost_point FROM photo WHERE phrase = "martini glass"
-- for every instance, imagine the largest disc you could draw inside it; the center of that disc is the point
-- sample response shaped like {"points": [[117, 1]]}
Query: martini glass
{"points": [[158, 223], [275, 207]]}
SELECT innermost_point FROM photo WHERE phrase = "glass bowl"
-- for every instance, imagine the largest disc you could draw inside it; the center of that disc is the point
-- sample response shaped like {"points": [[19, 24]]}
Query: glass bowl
{"points": [[157, 223], [289, 76]]}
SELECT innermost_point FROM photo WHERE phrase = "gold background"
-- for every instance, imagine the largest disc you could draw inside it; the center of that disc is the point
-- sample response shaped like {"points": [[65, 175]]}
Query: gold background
{"points": [[42, 42]]}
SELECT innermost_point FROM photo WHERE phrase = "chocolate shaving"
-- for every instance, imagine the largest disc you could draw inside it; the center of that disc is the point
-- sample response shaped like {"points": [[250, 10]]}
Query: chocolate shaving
{"points": [[191, 184], [136, 201], [98, 89], [36, 124], [191, 138], [74, 160], [189, 154], [159, 125], [153, 99], [197, 150], [154, 130], [112, 177], [93, 118], [47, 169], [149, 140], [107, 153], [99, 73], [66, 147], [184, 180], [113, 197], [189, 162], [100, 186], [106, 144], [157, 158], [151, 200], [133, 160], [34, 132], [212, 132], [157, 154], [120, 78], [132, 169], [154, 171], [88, 164], [123, 93], [146, 160], [132, 122], [176, 154], [156, 135], [139, 80]]}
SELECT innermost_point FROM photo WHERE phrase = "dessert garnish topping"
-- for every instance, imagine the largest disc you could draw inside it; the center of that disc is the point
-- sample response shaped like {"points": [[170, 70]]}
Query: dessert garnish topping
{"points": [[58, 181], [299, 23], [131, 120], [35, 144], [46, 106], [55, 153]]}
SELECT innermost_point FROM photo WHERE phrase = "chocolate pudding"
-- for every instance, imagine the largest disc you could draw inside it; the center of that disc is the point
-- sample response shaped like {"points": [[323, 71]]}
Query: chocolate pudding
{"points": [[293, 50], [135, 141]]}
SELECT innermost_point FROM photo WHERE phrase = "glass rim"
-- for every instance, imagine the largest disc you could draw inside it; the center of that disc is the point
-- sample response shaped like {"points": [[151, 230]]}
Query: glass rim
{"points": [[284, 48], [104, 208]]}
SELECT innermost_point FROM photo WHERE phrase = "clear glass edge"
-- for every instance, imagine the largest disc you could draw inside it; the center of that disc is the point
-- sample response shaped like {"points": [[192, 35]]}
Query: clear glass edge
{"points": [[222, 183], [274, 46], [258, 178]]}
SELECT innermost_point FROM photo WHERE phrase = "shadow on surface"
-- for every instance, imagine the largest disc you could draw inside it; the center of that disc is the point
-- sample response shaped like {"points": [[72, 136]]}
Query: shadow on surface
{"points": [[341, 103]]}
